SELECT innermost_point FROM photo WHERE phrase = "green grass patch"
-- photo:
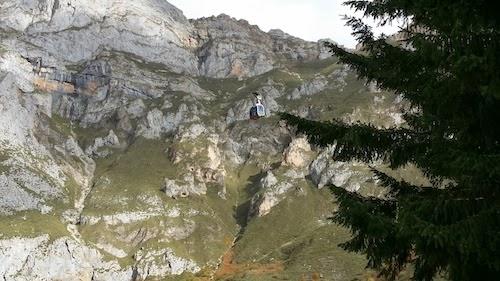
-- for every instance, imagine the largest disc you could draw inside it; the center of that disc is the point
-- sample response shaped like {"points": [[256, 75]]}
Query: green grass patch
{"points": [[308, 70], [155, 67], [87, 136], [220, 86], [71, 192], [296, 233], [62, 125], [4, 156], [4, 169], [75, 68], [318, 253], [139, 170], [29, 224], [303, 214], [289, 80]]}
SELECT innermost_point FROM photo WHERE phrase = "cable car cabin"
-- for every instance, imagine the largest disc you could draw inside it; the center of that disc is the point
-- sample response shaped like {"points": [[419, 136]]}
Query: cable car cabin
{"points": [[261, 111], [253, 113], [257, 111]]}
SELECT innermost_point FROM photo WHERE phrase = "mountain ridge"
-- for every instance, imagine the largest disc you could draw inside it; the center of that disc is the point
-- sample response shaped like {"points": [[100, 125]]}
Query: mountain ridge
{"points": [[83, 28]]}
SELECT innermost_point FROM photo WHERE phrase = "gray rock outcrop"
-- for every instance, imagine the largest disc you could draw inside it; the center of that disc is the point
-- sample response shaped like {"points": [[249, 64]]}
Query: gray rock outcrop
{"points": [[109, 141], [182, 189], [309, 88], [64, 259]]}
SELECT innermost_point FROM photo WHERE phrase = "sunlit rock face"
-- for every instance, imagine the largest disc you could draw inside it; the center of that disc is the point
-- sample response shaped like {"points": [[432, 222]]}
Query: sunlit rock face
{"points": [[219, 47], [127, 153], [231, 48], [75, 31]]}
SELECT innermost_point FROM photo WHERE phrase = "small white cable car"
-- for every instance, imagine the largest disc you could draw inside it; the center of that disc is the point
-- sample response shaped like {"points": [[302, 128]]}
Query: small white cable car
{"points": [[258, 110]]}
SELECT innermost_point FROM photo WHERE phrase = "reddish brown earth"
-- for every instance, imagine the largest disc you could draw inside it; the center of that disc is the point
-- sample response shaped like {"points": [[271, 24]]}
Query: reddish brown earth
{"points": [[229, 267]]}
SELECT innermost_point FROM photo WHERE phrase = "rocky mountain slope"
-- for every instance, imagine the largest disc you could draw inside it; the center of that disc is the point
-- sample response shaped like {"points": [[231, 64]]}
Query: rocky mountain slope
{"points": [[126, 152]]}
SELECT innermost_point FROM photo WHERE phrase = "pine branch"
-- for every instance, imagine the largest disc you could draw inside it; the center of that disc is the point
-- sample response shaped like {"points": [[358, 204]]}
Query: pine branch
{"points": [[397, 188], [359, 141], [373, 222]]}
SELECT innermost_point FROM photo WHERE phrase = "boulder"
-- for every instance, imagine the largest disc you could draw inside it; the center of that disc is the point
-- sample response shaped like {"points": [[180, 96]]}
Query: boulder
{"points": [[109, 141], [273, 192], [298, 154], [183, 188]]}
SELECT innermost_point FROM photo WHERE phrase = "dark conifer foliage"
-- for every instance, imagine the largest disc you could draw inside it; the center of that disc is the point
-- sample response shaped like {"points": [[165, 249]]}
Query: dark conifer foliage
{"points": [[448, 69]]}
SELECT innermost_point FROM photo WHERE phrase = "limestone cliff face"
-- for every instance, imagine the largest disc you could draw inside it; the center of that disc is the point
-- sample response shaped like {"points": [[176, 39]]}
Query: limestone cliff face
{"points": [[231, 48], [126, 152], [74, 31], [71, 31]]}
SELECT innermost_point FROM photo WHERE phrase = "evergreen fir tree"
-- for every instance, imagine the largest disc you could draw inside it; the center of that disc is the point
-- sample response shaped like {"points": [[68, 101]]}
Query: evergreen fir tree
{"points": [[448, 69]]}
